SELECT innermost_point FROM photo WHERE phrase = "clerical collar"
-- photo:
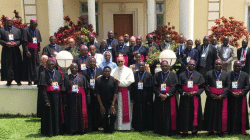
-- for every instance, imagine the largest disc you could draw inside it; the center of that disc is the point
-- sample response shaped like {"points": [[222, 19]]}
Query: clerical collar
{"points": [[50, 70], [75, 74], [165, 72]]}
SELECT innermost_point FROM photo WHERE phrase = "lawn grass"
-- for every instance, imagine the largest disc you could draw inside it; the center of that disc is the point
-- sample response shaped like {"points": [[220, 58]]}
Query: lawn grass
{"points": [[28, 128]]}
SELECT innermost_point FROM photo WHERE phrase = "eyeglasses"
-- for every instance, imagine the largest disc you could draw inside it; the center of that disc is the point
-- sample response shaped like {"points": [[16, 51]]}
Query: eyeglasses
{"points": [[120, 61]]}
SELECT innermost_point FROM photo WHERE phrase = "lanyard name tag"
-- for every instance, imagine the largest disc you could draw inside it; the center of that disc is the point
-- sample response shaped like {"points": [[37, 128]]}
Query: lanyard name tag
{"points": [[218, 84], [109, 47], [140, 85], [234, 85], [83, 66], [75, 88], [190, 84], [34, 40], [225, 56], [55, 85], [11, 37], [163, 87], [55, 53], [188, 59], [120, 54], [203, 55], [92, 82]]}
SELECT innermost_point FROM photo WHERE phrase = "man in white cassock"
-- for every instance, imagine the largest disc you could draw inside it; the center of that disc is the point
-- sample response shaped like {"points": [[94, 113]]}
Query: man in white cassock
{"points": [[125, 78]]}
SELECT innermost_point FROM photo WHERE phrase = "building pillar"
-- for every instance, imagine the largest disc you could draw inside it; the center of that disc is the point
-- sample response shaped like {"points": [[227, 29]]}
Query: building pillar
{"points": [[56, 21], [186, 22], [91, 13], [151, 15]]}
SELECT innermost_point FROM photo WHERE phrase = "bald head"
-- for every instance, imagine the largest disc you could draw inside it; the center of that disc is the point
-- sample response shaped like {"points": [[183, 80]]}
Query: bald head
{"points": [[110, 34], [206, 40], [120, 61], [92, 50], [225, 41], [244, 43], [197, 42]]}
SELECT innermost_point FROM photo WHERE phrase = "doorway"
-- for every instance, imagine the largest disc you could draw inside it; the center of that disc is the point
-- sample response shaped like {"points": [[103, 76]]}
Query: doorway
{"points": [[123, 24]]}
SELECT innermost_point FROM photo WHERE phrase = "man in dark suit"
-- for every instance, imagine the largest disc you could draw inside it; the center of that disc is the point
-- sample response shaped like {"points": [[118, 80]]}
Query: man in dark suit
{"points": [[92, 41], [167, 43], [243, 54], [207, 57], [181, 46]]}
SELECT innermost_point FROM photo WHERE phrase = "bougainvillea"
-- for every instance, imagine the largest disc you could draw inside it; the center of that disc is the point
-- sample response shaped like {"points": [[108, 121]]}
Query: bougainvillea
{"points": [[232, 28], [72, 30], [17, 21]]}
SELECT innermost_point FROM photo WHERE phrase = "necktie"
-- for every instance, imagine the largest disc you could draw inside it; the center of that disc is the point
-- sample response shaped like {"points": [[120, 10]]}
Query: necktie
{"points": [[243, 54], [203, 59]]}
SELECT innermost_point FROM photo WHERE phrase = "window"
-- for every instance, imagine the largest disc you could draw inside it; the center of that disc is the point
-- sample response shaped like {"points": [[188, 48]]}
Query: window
{"points": [[84, 12], [213, 13], [159, 10]]}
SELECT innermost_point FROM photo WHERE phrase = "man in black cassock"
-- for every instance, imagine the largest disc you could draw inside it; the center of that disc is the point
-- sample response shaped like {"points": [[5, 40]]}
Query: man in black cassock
{"points": [[39, 70], [142, 99], [92, 41], [91, 74], [107, 90], [81, 59], [11, 60], [121, 50], [167, 43], [78, 99], [31, 39], [112, 42], [165, 105], [50, 82], [138, 49], [52, 49], [191, 85], [103, 47], [239, 86], [243, 54], [216, 114], [207, 56]]}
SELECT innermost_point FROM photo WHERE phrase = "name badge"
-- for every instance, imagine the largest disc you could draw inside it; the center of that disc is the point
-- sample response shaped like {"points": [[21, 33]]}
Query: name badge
{"points": [[83, 66], [234, 85], [120, 54], [109, 47], [92, 82], [11, 37], [55, 85], [203, 55], [34, 40], [190, 84], [55, 53], [218, 84], [163, 87], [188, 59], [75, 88], [140, 85]]}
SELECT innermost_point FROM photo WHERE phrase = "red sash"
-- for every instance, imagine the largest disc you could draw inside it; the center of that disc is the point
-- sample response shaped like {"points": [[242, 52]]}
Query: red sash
{"points": [[79, 72], [196, 102], [214, 90], [31, 45], [84, 108], [173, 111], [243, 61], [243, 111], [125, 105], [126, 59]]}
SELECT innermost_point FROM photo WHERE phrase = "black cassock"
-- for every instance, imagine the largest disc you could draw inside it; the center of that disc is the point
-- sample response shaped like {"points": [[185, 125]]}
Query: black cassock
{"points": [[239, 110], [94, 105], [142, 111], [30, 64], [40, 102], [190, 109], [165, 112], [53, 119], [217, 112], [121, 50], [107, 88], [51, 51], [11, 60], [81, 61], [78, 99]]}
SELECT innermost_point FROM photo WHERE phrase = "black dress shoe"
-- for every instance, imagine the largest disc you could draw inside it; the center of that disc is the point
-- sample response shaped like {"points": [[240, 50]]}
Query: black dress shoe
{"points": [[8, 84], [220, 135], [210, 134], [30, 83], [19, 84], [195, 134], [184, 135]]}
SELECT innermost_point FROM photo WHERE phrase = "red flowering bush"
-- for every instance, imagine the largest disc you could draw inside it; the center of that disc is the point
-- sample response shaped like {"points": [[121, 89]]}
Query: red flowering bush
{"points": [[159, 35], [17, 21], [72, 30], [234, 29]]}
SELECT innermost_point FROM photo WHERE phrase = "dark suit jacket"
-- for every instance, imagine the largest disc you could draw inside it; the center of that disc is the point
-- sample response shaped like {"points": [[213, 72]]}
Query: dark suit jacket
{"points": [[246, 68], [162, 46]]}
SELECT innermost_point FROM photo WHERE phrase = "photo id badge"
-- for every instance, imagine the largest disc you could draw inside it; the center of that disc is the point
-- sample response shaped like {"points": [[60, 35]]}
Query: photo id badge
{"points": [[34, 40], [75, 88], [109, 47], [11, 37], [190, 84], [234, 85], [92, 82], [203, 55], [218, 84], [55, 53], [83, 66], [140, 85], [120, 54], [188, 59], [55, 85], [163, 87]]}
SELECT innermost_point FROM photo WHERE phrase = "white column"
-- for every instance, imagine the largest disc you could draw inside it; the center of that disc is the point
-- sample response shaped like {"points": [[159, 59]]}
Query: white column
{"points": [[151, 15], [91, 13], [186, 22], [56, 21]]}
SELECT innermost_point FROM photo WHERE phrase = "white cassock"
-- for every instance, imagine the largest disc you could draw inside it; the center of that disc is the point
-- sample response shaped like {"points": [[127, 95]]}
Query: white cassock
{"points": [[126, 77]]}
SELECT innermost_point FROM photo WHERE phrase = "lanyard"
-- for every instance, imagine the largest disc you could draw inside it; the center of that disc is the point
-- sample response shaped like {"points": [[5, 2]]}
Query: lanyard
{"points": [[53, 47], [8, 29], [33, 33], [162, 77], [236, 77], [75, 78], [205, 50], [111, 41], [92, 74], [119, 48], [83, 59], [103, 50], [54, 74], [245, 52], [141, 78], [139, 49], [189, 76], [217, 76]]}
